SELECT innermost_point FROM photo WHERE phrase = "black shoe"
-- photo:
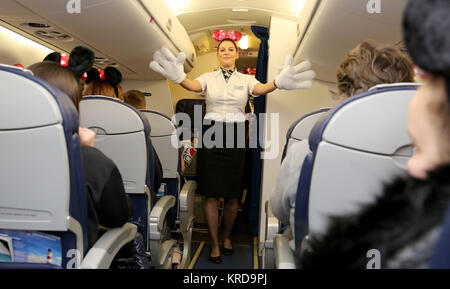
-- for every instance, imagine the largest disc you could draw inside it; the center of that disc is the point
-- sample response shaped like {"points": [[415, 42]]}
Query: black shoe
{"points": [[227, 251], [216, 260]]}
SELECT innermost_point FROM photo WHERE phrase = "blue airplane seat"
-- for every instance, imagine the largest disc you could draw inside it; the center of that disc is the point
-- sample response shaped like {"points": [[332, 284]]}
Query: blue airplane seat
{"points": [[301, 129], [123, 134], [122, 137], [298, 133], [355, 148], [41, 172], [168, 147]]}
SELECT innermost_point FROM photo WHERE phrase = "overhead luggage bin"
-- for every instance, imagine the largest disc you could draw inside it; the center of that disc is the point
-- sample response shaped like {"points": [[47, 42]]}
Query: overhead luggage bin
{"points": [[330, 30], [125, 32]]}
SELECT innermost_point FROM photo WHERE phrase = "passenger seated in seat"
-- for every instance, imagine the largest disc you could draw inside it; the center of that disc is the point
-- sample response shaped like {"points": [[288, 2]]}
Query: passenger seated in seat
{"points": [[63, 60], [108, 205], [370, 64], [365, 66], [110, 86], [404, 223], [137, 100]]}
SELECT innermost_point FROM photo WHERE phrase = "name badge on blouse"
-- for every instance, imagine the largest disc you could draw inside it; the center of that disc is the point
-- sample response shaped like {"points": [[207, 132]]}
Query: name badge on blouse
{"points": [[238, 87]]}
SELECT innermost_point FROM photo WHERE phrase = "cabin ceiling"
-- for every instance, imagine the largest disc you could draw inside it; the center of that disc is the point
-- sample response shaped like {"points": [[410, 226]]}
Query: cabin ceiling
{"points": [[340, 25], [202, 18], [198, 15], [332, 33]]}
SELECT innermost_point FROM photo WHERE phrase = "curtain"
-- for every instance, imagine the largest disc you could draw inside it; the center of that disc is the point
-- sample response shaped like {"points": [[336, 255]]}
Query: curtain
{"points": [[252, 204]]}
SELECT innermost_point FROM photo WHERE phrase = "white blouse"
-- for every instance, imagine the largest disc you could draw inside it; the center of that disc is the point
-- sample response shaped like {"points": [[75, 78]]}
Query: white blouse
{"points": [[226, 101]]}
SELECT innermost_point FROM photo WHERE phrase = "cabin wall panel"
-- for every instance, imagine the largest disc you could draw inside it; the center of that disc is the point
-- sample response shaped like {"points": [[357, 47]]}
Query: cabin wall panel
{"points": [[160, 100]]}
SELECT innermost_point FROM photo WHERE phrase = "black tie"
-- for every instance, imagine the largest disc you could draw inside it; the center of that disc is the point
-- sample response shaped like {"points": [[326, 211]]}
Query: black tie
{"points": [[227, 73]]}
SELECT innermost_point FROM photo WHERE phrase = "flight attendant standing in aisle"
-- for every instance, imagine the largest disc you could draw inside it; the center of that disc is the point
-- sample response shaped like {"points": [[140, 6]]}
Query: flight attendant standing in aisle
{"points": [[220, 167]]}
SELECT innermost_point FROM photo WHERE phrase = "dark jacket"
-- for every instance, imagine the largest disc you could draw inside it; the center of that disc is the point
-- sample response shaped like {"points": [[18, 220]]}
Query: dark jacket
{"points": [[403, 225], [108, 205]]}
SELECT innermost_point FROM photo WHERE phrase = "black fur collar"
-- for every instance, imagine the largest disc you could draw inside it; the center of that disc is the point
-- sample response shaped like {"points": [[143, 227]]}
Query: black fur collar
{"points": [[406, 210]]}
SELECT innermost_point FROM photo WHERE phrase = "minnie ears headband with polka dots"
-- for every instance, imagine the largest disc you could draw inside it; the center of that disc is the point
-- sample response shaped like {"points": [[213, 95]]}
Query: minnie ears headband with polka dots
{"points": [[65, 62], [221, 34], [64, 59], [101, 74], [80, 60]]}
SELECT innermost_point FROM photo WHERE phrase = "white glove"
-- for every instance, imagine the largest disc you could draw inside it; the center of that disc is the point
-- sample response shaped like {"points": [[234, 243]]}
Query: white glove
{"points": [[170, 67], [295, 77]]}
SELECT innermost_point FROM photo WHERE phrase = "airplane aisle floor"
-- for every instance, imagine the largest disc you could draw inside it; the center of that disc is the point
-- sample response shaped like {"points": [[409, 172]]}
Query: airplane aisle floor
{"points": [[243, 245], [242, 258]]}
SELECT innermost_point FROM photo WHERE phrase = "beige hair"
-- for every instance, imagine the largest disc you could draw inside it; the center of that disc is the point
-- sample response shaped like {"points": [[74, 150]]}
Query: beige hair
{"points": [[103, 87], [60, 77], [135, 98]]}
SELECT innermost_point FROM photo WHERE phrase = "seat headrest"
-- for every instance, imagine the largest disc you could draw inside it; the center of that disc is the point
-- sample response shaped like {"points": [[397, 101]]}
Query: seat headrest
{"points": [[29, 72], [124, 118], [161, 124], [396, 85], [18, 88], [38, 123], [302, 127], [357, 122]]}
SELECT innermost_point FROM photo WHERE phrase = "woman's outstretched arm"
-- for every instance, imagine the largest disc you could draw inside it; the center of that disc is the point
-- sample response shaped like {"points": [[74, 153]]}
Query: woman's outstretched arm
{"points": [[171, 68], [191, 85], [261, 88], [290, 77]]}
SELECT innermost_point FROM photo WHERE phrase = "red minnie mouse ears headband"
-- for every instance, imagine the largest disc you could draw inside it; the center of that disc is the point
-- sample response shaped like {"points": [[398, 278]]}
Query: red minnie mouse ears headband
{"points": [[81, 59], [61, 58], [64, 61], [221, 34], [101, 74]]}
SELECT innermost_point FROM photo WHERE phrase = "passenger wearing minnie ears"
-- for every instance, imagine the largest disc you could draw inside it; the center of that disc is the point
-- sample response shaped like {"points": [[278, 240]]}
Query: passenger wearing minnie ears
{"points": [[220, 167], [405, 222], [107, 203]]}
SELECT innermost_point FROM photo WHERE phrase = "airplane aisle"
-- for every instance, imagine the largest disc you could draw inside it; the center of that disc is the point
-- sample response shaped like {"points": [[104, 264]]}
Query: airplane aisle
{"points": [[245, 248]]}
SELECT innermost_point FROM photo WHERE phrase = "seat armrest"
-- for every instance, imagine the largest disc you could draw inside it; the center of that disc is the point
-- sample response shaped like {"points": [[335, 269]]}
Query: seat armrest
{"points": [[284, 256], [105, 249], [272, 226], [186, 198], [158, 214]]}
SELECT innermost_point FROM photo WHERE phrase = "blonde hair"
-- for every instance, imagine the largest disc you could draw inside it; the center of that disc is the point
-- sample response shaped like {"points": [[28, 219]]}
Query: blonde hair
{"points": [[135, 98], [103, 87], [370, 64]]}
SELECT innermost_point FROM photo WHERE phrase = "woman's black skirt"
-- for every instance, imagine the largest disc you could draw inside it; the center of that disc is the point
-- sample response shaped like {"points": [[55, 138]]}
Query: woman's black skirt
{"points": [[221, 160]]}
